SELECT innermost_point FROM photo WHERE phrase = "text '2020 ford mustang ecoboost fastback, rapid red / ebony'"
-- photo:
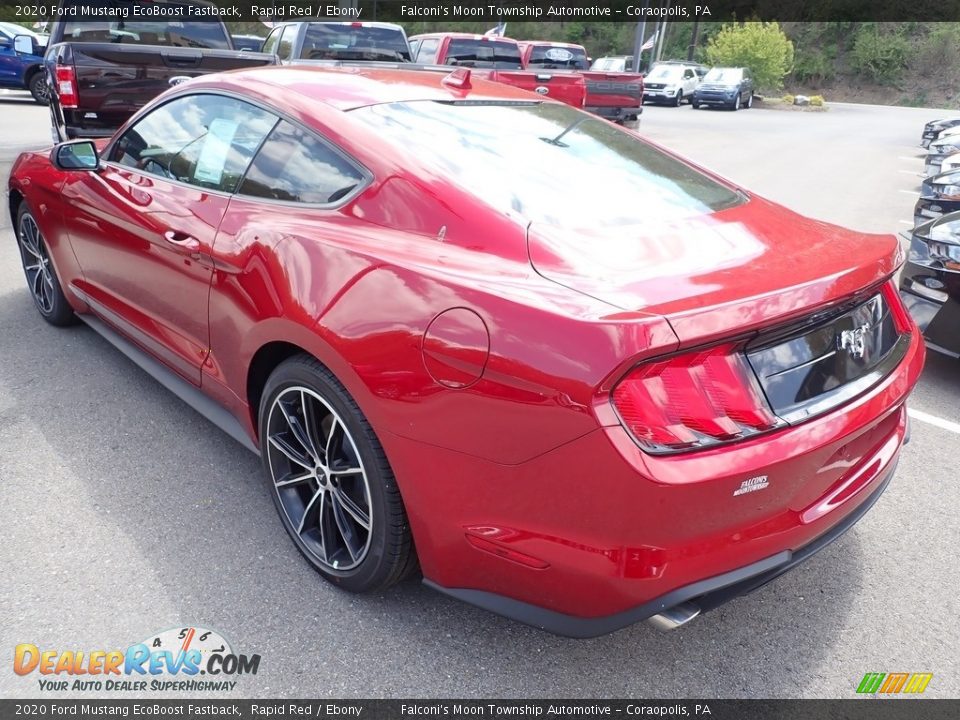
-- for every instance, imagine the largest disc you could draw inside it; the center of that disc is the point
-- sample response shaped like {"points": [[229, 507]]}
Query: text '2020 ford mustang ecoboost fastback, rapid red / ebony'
{"points": [[578, 380]]}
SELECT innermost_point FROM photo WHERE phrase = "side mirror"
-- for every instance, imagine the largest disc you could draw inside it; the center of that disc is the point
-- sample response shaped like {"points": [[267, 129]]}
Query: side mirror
{"points": [[76, 155], [25, 45]]}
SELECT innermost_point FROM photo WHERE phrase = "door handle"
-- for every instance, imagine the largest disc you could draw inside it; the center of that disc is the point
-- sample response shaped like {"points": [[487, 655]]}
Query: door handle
{"points": [[182, 242]]}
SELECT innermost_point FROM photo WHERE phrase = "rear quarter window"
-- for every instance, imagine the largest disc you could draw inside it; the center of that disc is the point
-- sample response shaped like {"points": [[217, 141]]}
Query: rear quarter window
{"points": [[294, 165]]}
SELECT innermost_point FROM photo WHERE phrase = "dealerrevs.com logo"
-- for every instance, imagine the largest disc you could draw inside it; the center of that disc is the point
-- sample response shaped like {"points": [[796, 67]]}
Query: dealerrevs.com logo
{"points": [[187, 659]]}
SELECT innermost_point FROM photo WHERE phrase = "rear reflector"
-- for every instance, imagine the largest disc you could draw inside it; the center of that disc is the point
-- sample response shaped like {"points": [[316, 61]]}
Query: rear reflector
{"points": [[67, 86], [693, 401]]}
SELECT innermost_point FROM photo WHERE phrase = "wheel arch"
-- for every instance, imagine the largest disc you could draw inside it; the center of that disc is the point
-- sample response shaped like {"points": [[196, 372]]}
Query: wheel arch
{"points": [[14, 201], [263, 362], [31, 71]]}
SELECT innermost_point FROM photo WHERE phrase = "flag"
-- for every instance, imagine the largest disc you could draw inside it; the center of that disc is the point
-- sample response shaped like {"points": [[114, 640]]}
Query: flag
{"points": [[498, 31], [648, 45]]}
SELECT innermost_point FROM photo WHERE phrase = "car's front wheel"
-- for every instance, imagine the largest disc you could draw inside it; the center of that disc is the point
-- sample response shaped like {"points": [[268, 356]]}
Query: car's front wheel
{"points": [[736, 103], [678, 100], [330, 479], [694, 104], [42, 280]]}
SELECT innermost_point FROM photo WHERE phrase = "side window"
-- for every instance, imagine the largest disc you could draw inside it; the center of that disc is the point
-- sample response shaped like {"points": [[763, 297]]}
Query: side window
{"points": [[414, 48], [203, 140], [273, 39], [687, 74], [428, 51], [285, 48], [296, 166]]}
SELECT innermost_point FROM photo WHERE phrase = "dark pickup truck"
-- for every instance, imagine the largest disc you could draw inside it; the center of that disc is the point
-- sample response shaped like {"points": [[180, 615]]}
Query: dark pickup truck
{"points": [[102, 72]]}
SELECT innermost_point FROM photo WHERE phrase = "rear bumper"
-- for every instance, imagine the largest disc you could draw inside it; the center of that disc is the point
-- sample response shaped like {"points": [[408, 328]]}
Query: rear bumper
{"points": [[616, 114], [598, 531], [705, 594]]}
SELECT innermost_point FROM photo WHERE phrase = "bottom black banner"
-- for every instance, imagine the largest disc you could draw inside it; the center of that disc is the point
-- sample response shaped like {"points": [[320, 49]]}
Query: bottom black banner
{"points": [[867, 709]]}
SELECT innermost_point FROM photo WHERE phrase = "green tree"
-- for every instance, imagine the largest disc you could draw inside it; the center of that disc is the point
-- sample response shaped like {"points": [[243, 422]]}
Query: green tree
{"points": [[879, 54], [760, 46]]}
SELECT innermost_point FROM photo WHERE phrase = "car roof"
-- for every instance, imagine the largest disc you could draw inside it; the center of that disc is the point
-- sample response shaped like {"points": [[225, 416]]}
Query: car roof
{"points": [[346, 88]]}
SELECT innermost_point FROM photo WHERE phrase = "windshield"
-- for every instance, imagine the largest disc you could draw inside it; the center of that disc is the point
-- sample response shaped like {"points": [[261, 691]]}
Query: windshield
{"points": [[548, 162], [556, 58], [664, 72], [204, 35], [484, 54], [610, 64], [723, 75], [334, 41]]}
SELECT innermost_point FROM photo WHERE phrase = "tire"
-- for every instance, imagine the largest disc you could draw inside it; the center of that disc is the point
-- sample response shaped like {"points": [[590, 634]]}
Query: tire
{"points": [[678, 100], [344, 514], [736, 103], [749, 101], [42, 280], [694, 104], [39, 88]]}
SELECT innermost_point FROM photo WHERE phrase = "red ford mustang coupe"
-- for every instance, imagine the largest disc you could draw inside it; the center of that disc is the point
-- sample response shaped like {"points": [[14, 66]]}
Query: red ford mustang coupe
{"points": [[575, 379]]}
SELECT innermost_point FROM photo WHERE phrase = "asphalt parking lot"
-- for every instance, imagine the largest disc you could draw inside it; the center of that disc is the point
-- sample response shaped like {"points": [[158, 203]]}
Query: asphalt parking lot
{"points": [[126, 513]]}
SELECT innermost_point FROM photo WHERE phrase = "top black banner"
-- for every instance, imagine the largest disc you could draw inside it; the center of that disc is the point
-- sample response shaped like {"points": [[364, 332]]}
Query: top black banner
{"points": [[491, 11]]}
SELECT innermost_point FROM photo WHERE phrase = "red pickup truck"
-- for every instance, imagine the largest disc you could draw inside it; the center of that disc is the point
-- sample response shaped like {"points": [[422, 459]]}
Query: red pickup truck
{"points": [[616, 96], [498, 59]]}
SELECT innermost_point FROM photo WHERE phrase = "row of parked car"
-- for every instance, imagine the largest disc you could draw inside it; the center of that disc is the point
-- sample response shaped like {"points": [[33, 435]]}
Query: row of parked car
{"points": [[930, 283], [94, 74]]}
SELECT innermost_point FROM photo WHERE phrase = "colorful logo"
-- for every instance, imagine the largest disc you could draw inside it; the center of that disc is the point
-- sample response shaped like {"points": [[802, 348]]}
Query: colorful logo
{"points": [[169, 660], [894, 683]]}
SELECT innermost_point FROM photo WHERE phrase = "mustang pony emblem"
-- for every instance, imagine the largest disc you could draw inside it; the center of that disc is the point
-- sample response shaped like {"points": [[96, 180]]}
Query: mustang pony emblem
{"points": [[854, 341]]}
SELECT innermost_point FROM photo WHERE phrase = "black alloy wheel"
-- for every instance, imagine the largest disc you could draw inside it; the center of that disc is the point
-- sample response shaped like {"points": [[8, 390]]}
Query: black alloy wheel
{"points": [[330, 480]]}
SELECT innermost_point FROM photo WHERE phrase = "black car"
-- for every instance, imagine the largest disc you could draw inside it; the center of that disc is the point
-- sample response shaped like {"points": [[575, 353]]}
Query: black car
{"points": [[930, 282], [939, 195], [938, 151], [725, 87], [932, 130]]}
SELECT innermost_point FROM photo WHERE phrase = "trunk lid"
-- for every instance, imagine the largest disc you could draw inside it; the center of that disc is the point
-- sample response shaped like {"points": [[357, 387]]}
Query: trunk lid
{"points": [[720, 275]]}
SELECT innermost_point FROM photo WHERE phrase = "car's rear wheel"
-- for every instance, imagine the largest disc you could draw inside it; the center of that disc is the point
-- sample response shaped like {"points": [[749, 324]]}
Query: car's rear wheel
{"points": [[42, 280], [749, 101], [678, 99], [330, 479], [694, 104], [37, 85]]}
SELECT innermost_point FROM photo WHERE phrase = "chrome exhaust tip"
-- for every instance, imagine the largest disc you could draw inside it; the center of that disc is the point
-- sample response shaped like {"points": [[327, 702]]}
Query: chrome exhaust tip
{"points": [[672, 618]]}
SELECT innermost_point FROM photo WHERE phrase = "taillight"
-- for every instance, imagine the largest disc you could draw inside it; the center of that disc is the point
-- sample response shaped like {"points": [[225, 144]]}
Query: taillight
{"points": [[693, 401], [901, 316], [67, 86]]}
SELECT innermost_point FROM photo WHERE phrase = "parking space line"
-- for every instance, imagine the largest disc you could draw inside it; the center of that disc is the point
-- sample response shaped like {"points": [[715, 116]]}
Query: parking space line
{"points": [[908, 192], [906, 222], [934, 420]]}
